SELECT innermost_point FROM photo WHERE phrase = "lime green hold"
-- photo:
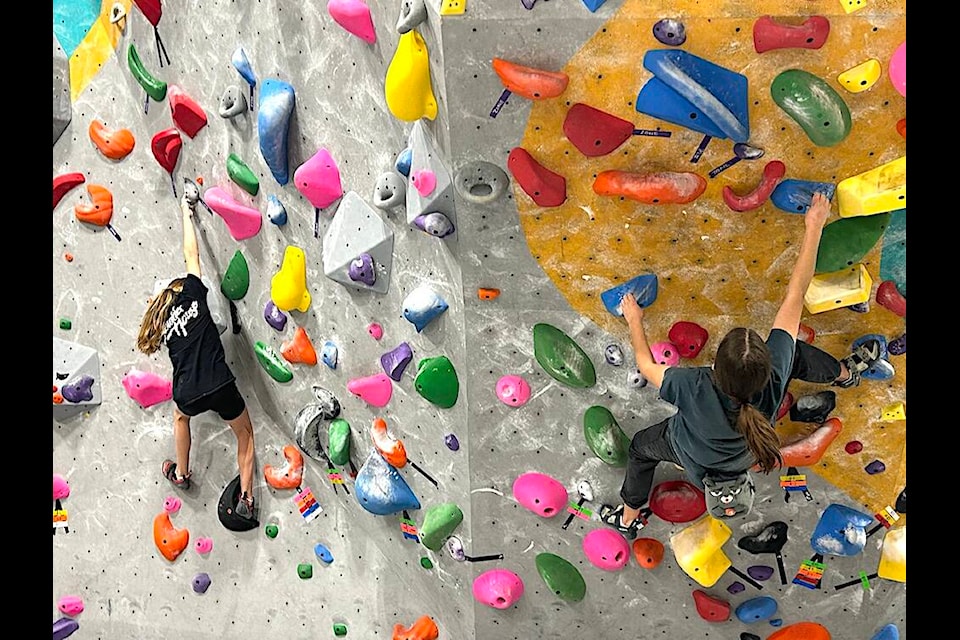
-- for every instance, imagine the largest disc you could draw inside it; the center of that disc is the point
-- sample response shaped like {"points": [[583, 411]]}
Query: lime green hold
{"points": [[439, 523], [65, 324], [240, 173], [561, 577], [339, 441], [305, 570], [562, 358], [272, 531], [605, 437], [271, 362], [426, 563], [814, 105], [437, 381], [339, 629], [845, 241], [236, 280]]}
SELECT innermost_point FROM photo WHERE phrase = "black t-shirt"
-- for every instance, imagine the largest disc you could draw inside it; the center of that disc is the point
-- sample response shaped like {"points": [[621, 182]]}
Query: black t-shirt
{"points": [[199, 363]]}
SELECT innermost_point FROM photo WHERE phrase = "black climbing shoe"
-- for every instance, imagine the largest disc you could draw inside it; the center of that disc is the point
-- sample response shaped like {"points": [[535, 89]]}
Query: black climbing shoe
{"points": [[614, 517], [815, 408], [861, 359], [169, 470]]}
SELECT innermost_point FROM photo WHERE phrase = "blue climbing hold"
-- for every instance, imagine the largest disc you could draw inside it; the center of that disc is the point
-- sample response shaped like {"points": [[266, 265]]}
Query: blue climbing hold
{"points": [[593, 5], [381, 490], [422, 305], [329, 354], [643, 288], [841, 531], [273, 123], [242, 65], [881, 369], [403, 162], [888, 632], [323, 553], [276, 212], [794, 196], [755, 609]]}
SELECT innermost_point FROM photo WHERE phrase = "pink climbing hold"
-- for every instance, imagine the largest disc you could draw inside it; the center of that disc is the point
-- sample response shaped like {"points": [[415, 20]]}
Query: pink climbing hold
{"points": [[898, 69], [540, 493], [425, 181], [242, 221], [498, 588], [61, 489], [147, 389], [318, 179], [375, 390], [606, 549], [172, 504], [187, 114], [203, 545], [545, 187], [665, 352], [375, 330], [70, 605], [769, 34], [354, 16], [513, 391]]}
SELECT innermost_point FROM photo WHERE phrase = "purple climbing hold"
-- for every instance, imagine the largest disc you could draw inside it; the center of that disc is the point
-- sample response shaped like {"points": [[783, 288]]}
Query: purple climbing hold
{"points": [[528, 4], [201, 582], [64, 627], [274, 317], [79, 391], [451, 441], [875, 467], [860, 307], [898, 346], [760, 572], [363, 270], [736, 587], [670, 32], [395, 361], [436, 224]]}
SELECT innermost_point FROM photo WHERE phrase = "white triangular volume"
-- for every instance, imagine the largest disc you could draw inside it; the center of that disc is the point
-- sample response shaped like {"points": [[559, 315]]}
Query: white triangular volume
{"points": [[425, 156], [357, 228]]}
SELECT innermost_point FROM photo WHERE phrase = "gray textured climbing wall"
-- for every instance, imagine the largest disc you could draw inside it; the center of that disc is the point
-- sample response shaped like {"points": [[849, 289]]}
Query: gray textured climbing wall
{"points": [[111, 453]]}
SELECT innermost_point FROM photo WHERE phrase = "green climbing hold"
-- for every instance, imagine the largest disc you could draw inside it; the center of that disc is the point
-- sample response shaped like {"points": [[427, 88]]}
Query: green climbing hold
{"points": [[845, 241], [561, 577], [562, 358], [426, 563], [439, 523], [339, 440], [814, 105], [271, 530], [240, 173], [236, 280], [437, 381], [65, 324], [271, 362], [605, 437], [339, 629], [305, 570]]}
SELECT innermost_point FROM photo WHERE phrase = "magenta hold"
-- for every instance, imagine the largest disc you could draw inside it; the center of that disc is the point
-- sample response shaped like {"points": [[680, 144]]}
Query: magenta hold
{"points": [[498, 588], [513, 391], [375, 330], [60, 487], [540, 493], [203, 545], [375, 390], [70, 605], [425, 181], [201, 582], [452, 442], [666, 353], [171, 504], [606, 549], [147, 389]]}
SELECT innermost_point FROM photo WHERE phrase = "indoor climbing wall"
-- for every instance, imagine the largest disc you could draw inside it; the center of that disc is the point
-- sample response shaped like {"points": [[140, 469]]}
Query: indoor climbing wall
{"points": [[404, 239]]}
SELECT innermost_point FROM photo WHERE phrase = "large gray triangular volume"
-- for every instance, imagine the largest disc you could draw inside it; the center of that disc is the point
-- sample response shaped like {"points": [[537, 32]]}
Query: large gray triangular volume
{"points": [[62, 107], [357, 229], [425, 156], [74, 365]]}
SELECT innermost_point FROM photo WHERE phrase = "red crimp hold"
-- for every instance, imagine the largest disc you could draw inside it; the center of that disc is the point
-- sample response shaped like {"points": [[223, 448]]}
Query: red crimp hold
{"points": [[890, 298], [769, 34], [710, 608], [533, 84], [689, 338], [64, 183], [595, 132], [546, 188], [772, 174], [187, 114]]}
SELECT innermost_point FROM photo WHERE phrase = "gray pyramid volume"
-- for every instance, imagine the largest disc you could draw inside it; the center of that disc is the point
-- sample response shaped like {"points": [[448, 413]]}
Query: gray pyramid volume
{"points": [[74, 366], [62, 107], [357, 229], [425, 156]]}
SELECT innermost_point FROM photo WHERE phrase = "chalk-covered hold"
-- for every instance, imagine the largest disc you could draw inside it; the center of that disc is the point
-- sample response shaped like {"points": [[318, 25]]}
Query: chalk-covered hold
{"points": [[422, 306], [232, 102]]}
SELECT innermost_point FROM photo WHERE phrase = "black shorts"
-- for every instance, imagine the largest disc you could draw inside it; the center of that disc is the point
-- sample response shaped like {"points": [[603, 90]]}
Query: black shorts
{"points": [[226, 401]]}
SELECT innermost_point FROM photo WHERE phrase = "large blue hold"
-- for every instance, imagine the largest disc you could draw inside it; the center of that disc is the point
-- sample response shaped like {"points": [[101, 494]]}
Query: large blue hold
{"points": [[273, 124], [756, 609], [889, 632], [794, 196], [643, 288], [841, 531], [593, 5], [381, 490]]}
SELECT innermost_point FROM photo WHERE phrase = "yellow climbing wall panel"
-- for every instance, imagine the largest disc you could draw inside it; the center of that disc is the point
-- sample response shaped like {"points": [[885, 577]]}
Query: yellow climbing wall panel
{"points": [[717, 267], [96, 47]]}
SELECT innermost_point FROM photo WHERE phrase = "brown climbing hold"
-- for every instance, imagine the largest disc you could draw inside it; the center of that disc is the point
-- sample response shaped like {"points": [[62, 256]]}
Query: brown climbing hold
{"points": [[423, 629], [648, 552], [710, 608], [299, 349]]}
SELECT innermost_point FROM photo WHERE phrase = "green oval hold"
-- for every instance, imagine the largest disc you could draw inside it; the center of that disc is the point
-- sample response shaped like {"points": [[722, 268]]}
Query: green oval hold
{"points": [[338, 436], [271, 530], [439, 523], [437, 381], [271, 362], [426, 563], [562, 578], [605, 437], [845, 241], [236, 279], [814, 105], [240, 173], [562, 358]]}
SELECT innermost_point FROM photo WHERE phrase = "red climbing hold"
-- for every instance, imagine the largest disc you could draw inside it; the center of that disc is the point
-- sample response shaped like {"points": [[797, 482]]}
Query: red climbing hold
{"points": [[769, 34], [772, 174], [808, 451], [806, 334], [187, 114], [902, 127], [533, 84], [546, 188], [854, 446], [677, 501], [595, 132], [166, 147], [63, 183], [889, 297], [151, 9], [689, 338], [710, 608], [785, 405]]}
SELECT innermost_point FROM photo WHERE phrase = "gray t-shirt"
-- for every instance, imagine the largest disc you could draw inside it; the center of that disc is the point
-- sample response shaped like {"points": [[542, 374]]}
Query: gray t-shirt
{"points": [[703, 431]]}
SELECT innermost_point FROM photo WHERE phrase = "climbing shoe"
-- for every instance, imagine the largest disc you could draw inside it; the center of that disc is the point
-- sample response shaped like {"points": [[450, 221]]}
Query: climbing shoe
{"points": [[169, 470], [860, 359], [244, 507], [614, 517]]}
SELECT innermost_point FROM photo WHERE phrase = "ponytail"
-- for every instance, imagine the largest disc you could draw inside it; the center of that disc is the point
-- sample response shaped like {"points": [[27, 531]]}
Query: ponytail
{"points": [[151, 326], [762, 439]]}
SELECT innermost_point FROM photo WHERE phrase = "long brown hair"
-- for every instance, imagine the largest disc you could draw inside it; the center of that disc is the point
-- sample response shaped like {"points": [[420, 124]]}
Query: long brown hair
{"points": [[741, 370], [155, 317]]}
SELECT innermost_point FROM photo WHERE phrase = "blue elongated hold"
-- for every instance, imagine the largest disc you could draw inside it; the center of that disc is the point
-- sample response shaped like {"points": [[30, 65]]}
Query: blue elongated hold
{"points": [[888, 632], [329, 354], [755, 609], [402, 164], [593, 5], [323, 553], [422, 305], [643, 288], [395, 361], [273, 123], [276, 212], [794, 196], [242, 65], [841, 531], [436, 224], [380, 489]]}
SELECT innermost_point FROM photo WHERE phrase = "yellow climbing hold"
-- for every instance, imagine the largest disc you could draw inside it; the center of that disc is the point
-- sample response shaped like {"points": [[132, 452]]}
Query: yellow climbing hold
{"points": [[838, 289], [453, 7], [288, 289], [893, 555], [894, 412], [407, 87], [699, 550], [861, 77], [878, 190], [853, 5]]}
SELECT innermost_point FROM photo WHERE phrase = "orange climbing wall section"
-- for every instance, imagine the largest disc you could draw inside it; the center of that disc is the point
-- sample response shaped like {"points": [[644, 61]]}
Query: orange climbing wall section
{"points": [[717, 267]]}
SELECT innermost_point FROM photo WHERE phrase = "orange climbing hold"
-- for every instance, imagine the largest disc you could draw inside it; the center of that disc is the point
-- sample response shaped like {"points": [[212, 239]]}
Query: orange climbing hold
{"points": [[299, 349], [802, 631], [806, 334], [101, 209], [666, 187], [290, 475], [531, 83], [116, 144], [389, 447], [68, 257], [57, 398], [423, 629], [902, 127], [170, 541], [648, 552], [808, 451], [488, 294]]}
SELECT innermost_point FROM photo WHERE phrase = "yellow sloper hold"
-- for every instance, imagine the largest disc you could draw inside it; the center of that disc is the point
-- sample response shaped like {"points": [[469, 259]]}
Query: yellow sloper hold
{"points": [[453, 7], [699, 552], [288, 289], [408, 89], [838, 289], [861, 77], [853, 5], [893, 555], [894, 412], [878, 190]]}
